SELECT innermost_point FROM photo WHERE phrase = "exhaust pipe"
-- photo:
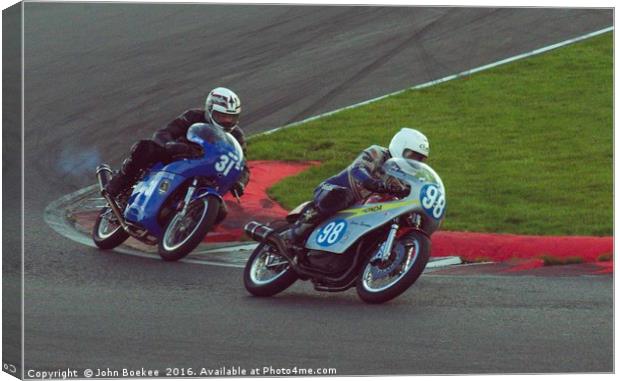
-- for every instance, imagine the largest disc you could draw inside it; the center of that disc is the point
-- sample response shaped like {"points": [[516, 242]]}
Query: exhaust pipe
{"points": [[257, 231], [104, 174], [264, 234]]}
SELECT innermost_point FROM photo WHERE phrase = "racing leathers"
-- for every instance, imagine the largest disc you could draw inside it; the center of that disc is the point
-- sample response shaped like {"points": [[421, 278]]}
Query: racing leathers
{"points": [[356, 182], [167, 142]]}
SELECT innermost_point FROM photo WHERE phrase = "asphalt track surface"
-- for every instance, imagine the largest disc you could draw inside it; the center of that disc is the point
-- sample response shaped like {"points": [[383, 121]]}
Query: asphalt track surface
{"points": [[98, 77]]}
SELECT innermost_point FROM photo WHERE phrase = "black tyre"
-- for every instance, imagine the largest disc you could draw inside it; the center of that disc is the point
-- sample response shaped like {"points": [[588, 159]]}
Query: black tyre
{"points": [[385, 280], [107, 232], [267, 273], [182, 234]]}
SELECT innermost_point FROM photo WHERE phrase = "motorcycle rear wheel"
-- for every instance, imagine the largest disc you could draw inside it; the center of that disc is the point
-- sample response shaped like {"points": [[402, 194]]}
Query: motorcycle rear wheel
{"points": [[201, 214], [267, 273], [106, 233], [414, 258]]}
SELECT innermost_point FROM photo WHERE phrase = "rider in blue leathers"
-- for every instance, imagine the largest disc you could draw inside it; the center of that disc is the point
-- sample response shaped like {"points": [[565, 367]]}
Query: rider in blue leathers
{"points": [[363, 177]]}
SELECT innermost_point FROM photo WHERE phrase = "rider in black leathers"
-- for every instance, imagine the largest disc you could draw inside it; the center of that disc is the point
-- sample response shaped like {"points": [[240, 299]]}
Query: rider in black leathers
{"points": [[222, 109]]}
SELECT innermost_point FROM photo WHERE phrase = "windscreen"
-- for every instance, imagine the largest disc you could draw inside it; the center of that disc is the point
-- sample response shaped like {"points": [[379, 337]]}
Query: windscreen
{"points": [[202, 133], [412, 170]]}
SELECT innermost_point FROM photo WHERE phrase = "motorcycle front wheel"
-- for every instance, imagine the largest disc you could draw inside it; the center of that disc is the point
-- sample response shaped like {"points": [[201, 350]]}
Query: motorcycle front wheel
{"points": [[183, 233], [266, 273], [107, 232], [385, 280]]}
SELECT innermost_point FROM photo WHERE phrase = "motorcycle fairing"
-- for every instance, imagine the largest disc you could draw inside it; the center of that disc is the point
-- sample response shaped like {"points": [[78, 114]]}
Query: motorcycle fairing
{"points": [[222, 162], [149, 196], [427, 197], [225, 164], [338, 233]]}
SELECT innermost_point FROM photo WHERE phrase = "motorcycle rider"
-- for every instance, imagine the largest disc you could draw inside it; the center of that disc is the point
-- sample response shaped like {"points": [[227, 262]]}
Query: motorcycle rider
{"points": [[222, 109], [361, 178]]}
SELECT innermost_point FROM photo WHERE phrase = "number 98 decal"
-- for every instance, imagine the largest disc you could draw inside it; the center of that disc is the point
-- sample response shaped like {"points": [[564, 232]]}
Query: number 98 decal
{"points": [[433, 201], [331, 233]]}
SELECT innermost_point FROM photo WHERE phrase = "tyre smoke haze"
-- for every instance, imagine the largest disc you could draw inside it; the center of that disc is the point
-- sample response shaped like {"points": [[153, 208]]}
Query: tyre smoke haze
{"points": [[78, 161]]}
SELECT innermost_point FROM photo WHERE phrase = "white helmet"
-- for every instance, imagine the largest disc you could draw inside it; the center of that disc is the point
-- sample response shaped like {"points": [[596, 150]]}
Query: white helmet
{"points": [[409, 144], [223, 108]]}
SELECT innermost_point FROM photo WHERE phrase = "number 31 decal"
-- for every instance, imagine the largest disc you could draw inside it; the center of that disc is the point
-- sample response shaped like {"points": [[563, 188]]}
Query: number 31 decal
{"points": [[331, 233], [433, 201], [226, 163]]}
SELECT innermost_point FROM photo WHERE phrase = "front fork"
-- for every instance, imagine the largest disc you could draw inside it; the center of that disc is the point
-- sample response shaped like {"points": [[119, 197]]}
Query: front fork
{"points": [[386, 248], [188, 197]]}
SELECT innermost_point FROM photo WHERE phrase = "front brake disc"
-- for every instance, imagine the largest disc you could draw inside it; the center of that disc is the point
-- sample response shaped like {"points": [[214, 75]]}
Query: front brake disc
{"points": [[385, 268]]}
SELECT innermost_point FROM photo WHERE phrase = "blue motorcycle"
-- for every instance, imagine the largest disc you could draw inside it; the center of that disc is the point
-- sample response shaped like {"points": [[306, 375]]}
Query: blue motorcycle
{"points": [[174, 205]]}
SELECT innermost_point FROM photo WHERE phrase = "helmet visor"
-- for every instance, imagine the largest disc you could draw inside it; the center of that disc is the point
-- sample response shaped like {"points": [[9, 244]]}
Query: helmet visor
{"points": [[225, 120], [413, 155]]}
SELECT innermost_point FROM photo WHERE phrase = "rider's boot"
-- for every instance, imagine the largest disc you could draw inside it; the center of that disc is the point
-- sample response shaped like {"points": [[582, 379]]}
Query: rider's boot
{"points": [[143, 154], [123, 179], [295, 235], [117, 184]]}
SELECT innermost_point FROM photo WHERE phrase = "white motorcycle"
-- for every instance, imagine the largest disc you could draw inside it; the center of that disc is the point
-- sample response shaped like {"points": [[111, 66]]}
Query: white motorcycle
{"points": [[380, 246]]}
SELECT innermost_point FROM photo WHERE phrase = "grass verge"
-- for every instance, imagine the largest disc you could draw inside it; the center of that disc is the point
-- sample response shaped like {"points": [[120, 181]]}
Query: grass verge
{"points": [[523, 148], [605, 257], [549, 260]]}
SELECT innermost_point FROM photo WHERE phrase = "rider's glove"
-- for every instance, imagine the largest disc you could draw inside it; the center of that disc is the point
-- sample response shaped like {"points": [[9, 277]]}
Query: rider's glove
{"points": [[394, 187], [379, 187], [239, 188], [400, 191]]}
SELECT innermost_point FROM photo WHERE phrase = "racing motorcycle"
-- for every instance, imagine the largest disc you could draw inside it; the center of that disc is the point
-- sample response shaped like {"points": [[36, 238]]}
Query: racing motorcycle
{"points": [[380, 246], [174, 205]]}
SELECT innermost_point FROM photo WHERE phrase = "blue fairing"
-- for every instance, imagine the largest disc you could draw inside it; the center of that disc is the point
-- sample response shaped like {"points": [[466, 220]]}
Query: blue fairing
{"points": [[222, 162]]}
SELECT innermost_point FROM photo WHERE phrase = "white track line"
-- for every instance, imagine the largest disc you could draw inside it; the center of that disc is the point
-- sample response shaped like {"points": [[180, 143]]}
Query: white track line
{"points": [[54, 217], [445, 79], [443, 262]]}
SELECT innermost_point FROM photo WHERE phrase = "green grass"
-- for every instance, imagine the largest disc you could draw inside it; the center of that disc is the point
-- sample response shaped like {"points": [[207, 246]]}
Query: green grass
{"points": [[550, 260], [522, 148], [605, 257]]}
